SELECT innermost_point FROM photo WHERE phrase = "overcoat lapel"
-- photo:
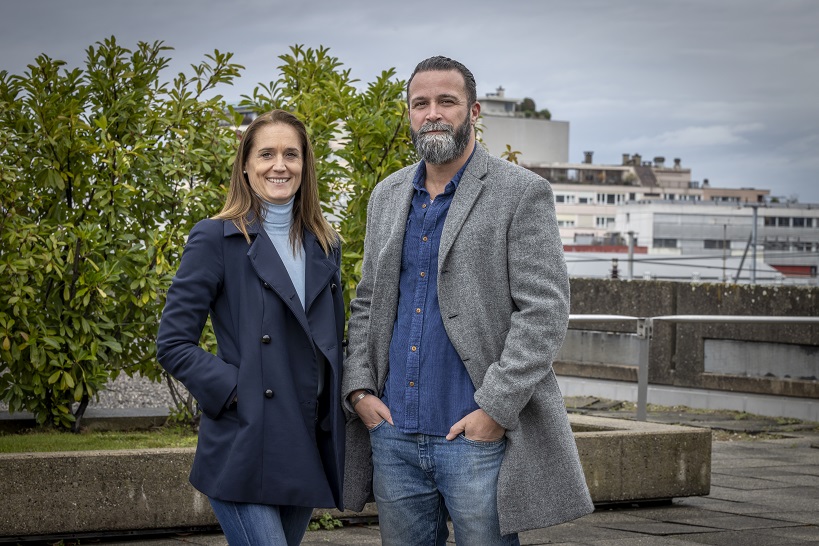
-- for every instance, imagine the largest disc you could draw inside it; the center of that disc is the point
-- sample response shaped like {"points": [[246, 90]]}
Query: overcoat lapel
{"points": [[270, 268], [469, 188], [385, 288], [390, 256], [319, 268]]}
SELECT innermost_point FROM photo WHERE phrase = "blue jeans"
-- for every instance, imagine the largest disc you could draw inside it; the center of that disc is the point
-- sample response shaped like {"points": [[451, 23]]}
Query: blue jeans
{"points": [[419, 480], [246, 524]]}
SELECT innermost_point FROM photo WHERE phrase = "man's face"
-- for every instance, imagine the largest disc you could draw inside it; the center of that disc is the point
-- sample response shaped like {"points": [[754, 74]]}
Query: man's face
{"points": [[440, 117]]}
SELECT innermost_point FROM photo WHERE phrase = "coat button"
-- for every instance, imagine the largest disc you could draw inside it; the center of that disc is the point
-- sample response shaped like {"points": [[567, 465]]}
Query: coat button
{"points": [[268, 393], [333, 288], [265, 338], [265, 285]]}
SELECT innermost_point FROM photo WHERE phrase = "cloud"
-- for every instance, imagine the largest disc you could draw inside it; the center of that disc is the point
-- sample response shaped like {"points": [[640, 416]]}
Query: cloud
{"points": [[696, 136]]}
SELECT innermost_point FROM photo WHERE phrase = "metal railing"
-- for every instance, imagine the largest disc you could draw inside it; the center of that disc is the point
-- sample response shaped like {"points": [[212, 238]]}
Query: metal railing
{"points": [[644, 331]]}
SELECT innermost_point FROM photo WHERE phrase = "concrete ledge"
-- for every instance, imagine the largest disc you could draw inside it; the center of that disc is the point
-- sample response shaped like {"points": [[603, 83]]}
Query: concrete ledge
{"points": [[630, 461], [61, 494]]}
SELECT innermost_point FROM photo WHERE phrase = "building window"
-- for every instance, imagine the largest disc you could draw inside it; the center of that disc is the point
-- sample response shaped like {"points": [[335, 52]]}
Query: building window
{"points": [[584, 200], [783, 221], [716, 243], [560, 198], [603, 221], [565, 223], [775, 245], [770, 221], [665, 243], [799, 222]]}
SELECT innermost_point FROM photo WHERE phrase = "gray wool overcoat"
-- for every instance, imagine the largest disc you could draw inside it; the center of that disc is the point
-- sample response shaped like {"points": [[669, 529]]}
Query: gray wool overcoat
{"points": [[504, 298]]}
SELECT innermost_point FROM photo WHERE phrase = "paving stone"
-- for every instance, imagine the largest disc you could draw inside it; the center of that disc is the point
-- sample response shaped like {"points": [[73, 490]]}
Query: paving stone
{"points": [[746, 483], [799, 517], [346, 536], [718, 505], [736, 523], [644, 541], [572, 532], [739, 538], [659, 528], [803, 532]]}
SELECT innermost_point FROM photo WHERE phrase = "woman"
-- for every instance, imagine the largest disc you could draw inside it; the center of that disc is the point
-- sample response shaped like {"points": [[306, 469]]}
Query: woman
{"points": [[266, 269]]}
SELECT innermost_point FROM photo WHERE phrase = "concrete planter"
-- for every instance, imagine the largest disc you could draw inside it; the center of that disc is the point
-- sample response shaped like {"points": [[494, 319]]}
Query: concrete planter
{"points": [[61, 494]]}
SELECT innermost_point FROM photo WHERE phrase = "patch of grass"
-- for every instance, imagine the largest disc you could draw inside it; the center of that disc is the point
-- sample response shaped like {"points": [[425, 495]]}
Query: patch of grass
{"points": [[50, 440]]}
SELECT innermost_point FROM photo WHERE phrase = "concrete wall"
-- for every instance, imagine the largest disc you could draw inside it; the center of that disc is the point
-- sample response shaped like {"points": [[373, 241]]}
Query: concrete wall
{"points": [[537, 140], [708, 356], [64, 494]]}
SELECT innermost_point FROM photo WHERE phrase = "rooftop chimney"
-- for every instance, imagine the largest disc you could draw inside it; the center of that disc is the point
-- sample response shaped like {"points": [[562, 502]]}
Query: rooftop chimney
{"points": [[588, 157], [625, 159], [659, 162], [677, 163]]}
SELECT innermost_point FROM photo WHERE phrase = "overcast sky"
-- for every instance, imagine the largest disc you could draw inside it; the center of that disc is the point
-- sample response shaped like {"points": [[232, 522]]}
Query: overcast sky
{"points": [[729, 86]]}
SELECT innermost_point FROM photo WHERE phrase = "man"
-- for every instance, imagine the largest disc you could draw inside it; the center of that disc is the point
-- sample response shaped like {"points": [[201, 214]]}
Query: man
{"points": [[462, 306]]}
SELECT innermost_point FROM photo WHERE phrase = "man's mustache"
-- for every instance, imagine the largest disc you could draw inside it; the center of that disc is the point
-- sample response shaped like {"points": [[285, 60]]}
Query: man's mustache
{"points": [[436, 126]]}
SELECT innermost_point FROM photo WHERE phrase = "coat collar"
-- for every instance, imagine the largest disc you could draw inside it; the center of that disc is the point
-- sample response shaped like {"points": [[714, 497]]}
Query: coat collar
{"points": [[469, 188], [318, 268]]}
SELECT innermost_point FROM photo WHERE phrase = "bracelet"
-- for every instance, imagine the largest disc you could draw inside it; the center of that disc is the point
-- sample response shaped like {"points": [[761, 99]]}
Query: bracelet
{"points": [[357, 399]]}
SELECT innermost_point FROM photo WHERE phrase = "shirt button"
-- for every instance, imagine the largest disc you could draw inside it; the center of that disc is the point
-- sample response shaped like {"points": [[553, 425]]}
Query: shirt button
{"points": [[424, 238], [268, 393], [265, 338], [424, 206], [417, 310], [412, 383], [413, 348], [423, 274]]}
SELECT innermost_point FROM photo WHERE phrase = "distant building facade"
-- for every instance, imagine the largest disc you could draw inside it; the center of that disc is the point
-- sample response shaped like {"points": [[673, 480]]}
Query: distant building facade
{"points": [[536, 140]]}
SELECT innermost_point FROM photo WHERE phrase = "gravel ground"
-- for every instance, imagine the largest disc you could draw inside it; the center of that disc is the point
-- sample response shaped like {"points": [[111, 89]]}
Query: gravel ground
{"points": [[134, 392], [129, 392]]}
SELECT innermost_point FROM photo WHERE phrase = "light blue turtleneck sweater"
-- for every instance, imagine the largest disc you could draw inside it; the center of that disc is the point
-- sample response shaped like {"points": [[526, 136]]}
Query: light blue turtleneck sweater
{"points": [[277, 222]]}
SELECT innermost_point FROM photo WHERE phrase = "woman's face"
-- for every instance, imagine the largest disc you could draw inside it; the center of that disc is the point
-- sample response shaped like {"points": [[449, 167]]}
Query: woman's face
{"points": [[275, 162]]}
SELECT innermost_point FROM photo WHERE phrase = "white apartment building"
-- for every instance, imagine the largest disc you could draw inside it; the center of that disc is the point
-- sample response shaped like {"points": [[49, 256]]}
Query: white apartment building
{"points": [[787, 235], [536, 140]]}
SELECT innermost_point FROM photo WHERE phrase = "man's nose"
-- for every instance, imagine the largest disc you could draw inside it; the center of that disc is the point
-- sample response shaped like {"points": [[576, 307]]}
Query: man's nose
{"points": [[433, 114]]}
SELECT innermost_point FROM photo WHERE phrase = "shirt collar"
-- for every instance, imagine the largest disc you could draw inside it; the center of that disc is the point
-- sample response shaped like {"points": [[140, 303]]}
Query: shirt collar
{"points": [[421, 174]]}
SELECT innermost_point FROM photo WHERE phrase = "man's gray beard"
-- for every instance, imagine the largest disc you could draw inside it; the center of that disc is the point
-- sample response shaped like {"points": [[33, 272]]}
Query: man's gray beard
{"points": [[440, 149]]}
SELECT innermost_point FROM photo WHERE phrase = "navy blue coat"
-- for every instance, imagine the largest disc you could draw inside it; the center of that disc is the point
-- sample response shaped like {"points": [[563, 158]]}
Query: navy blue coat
{"points": [[279, 444]]}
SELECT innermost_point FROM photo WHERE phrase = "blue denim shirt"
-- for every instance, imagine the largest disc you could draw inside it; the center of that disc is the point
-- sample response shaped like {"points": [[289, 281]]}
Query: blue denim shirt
{"points": [[428, 388]]}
